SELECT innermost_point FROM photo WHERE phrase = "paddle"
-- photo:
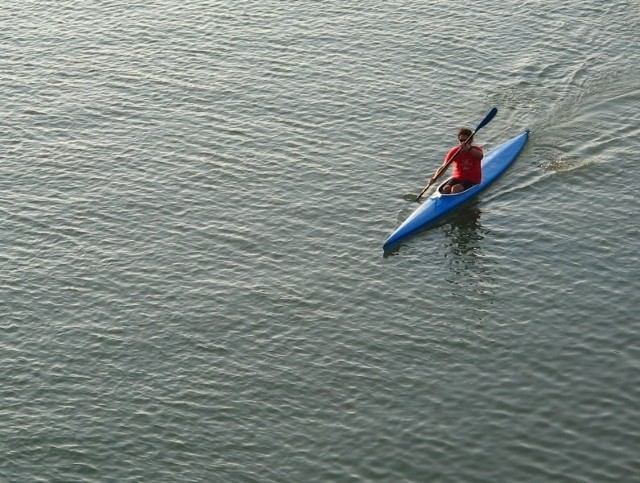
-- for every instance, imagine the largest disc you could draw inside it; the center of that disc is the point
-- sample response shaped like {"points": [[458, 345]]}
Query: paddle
{"points": [[487, 119]]}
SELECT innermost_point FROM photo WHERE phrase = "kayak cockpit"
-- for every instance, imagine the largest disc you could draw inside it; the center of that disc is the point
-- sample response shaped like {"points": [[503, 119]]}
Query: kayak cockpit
{"points": [[439, 190]]}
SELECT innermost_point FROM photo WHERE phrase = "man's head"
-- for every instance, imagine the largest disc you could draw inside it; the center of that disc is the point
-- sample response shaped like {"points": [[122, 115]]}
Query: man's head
{"points": [[464, 133]]}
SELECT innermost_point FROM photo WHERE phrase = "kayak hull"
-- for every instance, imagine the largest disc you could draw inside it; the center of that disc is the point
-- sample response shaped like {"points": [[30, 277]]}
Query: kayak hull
{"points": [[494, 163]]}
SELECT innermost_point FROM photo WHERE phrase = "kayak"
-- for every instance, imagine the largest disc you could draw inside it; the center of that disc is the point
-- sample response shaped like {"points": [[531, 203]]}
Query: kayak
{"points": [[438, 204]]}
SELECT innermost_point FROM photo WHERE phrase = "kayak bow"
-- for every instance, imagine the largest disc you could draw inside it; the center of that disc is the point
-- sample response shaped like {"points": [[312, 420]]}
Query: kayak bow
{"points": [[437, 205]]}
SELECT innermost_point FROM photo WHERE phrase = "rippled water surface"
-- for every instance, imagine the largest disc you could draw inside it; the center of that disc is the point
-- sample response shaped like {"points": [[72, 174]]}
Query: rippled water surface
{"points": [[194, 199]]}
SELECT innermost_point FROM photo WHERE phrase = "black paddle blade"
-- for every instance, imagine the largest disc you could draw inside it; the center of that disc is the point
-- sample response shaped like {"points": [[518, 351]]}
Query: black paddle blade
{"points": [[487, 119]]}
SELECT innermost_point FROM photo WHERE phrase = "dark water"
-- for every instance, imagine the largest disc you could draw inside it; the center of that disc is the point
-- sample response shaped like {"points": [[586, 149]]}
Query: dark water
{"points": [[194, 200]]}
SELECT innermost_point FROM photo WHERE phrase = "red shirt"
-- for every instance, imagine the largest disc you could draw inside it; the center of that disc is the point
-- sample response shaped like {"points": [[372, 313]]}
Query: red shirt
{"points": [[465, 166]]}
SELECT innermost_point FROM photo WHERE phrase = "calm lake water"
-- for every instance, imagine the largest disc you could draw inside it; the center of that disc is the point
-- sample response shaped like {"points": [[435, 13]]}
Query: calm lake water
{"points": [[194, 199]]}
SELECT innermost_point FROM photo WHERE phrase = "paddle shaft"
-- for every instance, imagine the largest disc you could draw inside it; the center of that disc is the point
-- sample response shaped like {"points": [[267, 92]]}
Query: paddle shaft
{"points": [[487, 119]]}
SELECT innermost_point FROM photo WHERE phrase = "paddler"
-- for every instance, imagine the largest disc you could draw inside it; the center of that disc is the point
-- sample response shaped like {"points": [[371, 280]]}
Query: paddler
{"points": [[467, 171]]}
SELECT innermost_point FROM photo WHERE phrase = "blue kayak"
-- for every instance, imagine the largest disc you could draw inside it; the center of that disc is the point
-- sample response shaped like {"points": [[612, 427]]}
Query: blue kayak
{"points": [[437, 205]]}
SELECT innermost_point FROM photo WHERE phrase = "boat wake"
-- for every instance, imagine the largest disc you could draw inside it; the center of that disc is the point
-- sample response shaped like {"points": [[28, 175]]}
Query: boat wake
{"points": [[409, 196], [565, 163]]}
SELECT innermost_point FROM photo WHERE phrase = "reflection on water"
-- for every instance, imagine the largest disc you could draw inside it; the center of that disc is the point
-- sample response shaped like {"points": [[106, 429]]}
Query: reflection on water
{"points": [[464, 234], [468, 269]]}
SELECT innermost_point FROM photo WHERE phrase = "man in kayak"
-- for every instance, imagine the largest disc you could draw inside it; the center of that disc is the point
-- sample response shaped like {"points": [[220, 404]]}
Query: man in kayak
{"points": [[466, 164]]}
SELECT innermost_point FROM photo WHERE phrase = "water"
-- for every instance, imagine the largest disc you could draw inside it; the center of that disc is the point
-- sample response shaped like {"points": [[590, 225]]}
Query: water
{"points": [[195, 196]]}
